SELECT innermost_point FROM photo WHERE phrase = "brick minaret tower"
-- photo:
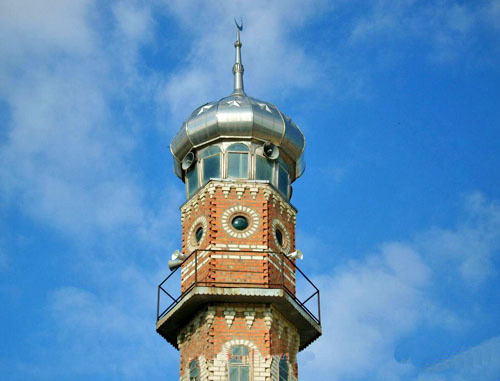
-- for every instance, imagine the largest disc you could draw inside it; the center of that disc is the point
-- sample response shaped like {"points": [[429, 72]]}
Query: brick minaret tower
{"points": [[243, 310]]}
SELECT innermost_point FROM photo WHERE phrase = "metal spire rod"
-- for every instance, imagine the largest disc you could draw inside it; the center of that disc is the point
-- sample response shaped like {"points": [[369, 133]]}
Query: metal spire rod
{"points": [[238, 66]]}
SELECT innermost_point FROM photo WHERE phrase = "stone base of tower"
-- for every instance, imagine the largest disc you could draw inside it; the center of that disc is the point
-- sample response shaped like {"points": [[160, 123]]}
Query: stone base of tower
{"points": [[230, 338]]}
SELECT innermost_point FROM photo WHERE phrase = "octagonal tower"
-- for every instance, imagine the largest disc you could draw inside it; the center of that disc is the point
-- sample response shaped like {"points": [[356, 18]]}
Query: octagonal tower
{"points": [[244, 308]]}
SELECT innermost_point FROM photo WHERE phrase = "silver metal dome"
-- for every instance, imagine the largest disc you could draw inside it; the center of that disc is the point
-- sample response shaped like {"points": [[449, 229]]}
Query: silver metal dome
{"points": [[239, 117]]}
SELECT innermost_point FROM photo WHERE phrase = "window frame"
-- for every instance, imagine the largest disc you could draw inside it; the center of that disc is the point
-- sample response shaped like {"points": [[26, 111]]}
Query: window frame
{"points": [[243, 364], [194, 167], [277, 183], [247, 152], [197, 364], [273, 166], [206, 154], [283, 360]]}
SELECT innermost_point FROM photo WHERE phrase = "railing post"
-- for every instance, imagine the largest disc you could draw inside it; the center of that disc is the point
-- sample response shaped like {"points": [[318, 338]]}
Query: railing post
{"points": [[282, 270], [158, 304], [319, 309], [196, 267]]}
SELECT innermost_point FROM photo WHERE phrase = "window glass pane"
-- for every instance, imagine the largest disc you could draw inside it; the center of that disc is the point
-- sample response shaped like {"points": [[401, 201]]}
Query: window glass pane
{"points": [[233, 373], [192, 178], [244, 373], [283, 181], [194, 371], [284, 164], [238, 147], [211, 168], [264, 170], [283, 371], [244, 351], [239, 368], [236, 357], [238, 165], [210, 151], [239, 373]]}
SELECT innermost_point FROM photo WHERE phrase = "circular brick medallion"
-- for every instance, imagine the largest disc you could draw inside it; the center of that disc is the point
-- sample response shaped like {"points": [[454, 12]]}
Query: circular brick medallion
{"points": [[231, 213], [285, 244], [192, 241]]}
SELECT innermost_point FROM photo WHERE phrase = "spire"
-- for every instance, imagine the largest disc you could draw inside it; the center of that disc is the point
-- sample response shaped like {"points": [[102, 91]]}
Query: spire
{"points": [[238, 66]]}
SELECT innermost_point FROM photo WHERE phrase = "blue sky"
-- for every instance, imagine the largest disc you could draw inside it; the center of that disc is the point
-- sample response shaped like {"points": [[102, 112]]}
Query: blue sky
{"points": [[399, 207]]}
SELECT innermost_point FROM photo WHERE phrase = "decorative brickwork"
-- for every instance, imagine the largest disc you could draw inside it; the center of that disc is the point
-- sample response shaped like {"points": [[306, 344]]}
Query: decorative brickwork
{"points": [[240, 210], [212, 208], [261, 199], [191, 241], [209, 336], [221, 257]]}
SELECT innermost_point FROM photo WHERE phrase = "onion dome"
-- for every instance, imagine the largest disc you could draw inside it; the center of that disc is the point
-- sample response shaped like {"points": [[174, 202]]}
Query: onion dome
{"points": [[239, 117]]}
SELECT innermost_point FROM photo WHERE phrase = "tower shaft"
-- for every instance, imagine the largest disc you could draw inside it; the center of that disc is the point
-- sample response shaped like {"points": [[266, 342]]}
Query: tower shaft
{"points": [[243, 310]]}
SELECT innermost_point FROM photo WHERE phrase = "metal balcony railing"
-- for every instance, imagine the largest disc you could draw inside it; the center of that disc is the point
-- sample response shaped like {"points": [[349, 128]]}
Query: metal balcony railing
{"points": [[284, 274]]}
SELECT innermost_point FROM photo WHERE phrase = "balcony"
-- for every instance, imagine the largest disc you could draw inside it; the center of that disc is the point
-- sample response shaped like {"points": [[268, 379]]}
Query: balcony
{"points": [[227, 276]]}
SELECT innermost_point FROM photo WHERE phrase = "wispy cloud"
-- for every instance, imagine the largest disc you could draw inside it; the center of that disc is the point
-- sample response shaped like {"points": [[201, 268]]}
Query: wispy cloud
{"points": [[447, 29], [66, 163], [66, 151], [367, 306], [481, 362], [370, 304], [471, 248]]}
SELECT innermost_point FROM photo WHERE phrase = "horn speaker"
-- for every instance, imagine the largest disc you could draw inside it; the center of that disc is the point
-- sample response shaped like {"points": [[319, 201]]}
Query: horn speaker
{"points": [[176, 261], [297, 254], [188, 161], [270, 150]]}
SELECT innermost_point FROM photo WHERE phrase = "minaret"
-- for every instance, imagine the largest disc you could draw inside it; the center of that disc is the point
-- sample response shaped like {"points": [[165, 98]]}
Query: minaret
{"points": [[244, 308]]}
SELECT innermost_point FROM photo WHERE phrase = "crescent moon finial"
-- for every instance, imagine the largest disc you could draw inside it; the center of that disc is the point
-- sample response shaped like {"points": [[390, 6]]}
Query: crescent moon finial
{"points": [[240, 25]]}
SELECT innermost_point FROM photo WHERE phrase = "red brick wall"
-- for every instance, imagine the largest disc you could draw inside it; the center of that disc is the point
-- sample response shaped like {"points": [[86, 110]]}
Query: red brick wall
{"points": [[268, 205], [208, 338]]}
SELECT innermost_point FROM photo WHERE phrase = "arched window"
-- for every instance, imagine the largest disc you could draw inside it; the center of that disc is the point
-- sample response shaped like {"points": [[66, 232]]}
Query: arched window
{"points": [[194, 371], [283, 369], [239, 366], [237, 161], [210, 159]]}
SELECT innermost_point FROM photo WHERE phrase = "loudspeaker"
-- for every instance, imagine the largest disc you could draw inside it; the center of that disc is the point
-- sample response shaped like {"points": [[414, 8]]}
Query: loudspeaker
{"points": [[270, 150], [297, 254], [176, 261], [178, 255], [188, 161], [174, 264]]}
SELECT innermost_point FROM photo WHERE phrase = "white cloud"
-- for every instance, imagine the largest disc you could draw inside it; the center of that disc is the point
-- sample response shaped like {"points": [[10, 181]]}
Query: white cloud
{"points": [[133, 21], [471, 248], [97, 336], [29, 27], [66, 151], [481, 362], [447, 29], [66, 163], [63, 157], [370, 304], [492, 13], [367, 306]]}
